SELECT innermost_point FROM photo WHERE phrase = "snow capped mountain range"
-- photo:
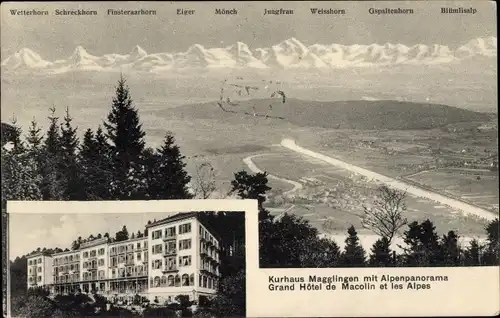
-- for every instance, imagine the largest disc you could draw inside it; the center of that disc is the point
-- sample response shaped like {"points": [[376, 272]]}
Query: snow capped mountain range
{"points": [[289, 54]]}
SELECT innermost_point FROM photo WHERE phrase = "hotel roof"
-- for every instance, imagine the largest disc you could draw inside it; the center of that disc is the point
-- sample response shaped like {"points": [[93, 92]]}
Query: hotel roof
{"points": [[176, 217], [183, 216]]}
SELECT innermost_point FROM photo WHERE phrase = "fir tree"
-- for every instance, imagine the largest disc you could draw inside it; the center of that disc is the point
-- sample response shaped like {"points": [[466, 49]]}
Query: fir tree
{"points": [[69, 167], [34, 139], [422, 244], [125, 134], [381, 254], [353, 254], [473, 253], [450, 251], [492, 252], [168, 165], [21, 179], [95, 165], [52, 187]]}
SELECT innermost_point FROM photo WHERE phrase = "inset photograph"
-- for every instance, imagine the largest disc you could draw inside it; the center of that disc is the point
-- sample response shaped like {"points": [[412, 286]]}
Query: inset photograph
{"points": [[127, 265]]}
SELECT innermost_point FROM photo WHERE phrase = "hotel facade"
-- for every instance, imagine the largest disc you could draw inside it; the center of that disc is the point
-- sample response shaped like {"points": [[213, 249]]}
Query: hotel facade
{"points": [[179, 256]]}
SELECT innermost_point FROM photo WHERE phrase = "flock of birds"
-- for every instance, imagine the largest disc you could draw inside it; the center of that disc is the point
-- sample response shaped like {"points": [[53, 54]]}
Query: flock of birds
{"points": [[229, 89]]}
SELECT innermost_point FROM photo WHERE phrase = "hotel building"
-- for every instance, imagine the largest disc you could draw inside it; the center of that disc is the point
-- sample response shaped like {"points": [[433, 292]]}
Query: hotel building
{"points": [[179, 256], [39, 270]]}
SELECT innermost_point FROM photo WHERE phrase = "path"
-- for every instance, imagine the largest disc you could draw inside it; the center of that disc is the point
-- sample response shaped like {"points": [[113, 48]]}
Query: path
{"points": [[253, 167]]}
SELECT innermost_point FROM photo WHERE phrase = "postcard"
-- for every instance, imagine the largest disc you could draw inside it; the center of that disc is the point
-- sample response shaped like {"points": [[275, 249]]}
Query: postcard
{"points": [[252, 158]]}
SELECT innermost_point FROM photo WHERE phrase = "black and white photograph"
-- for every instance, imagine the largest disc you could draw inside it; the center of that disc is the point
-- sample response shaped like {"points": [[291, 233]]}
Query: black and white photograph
{"points": [[161, 264], [366, 131]]}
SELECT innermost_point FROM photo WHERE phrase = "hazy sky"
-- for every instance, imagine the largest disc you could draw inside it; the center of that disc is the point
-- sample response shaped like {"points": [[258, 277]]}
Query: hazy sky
{"points": [[30, 231], [56, 37]]}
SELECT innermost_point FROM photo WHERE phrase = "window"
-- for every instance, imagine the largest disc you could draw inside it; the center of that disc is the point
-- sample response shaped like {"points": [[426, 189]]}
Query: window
{"points": [[157, 249], [170, 247], [177, 280], [184, 228], [201, 231], [39, 269], [139, 256], [101, 251], [130, 247], [85, 254], [185, 260], [114, 261], [138, 245], [85, 264], [156, 234], [210, 282], [156, 282], [205, 281], [121, 259], [171, 281], [169, 232], [39, 278], [113, 273], [163, 281], [39, 261], [146, 256], [201, 280], [170, 263], [30, 262], [185, 280], [122, 249], [72, 267], [77, 267], [93, 253], [191, 279], [101, 262], [145, 244], [157, 264], [185, 244], [101, 274]]}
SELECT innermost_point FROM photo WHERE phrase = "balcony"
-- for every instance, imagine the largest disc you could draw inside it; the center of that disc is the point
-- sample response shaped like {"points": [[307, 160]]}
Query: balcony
{"points": [[129, 263], [204, 253], [170, 253], [170, 237], [170, 269], [92, 269], [206, 271]]}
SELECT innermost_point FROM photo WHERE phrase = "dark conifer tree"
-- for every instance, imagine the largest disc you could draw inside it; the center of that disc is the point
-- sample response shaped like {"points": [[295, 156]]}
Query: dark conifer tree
{"points": [[353, 254], [450, 254], [168, 179], [126, 139], [381, 254], [21, 178], [34, 138], [52, 187], [473, 253], [422, 244], [94, 159], [492, 251], [72, 179]]}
